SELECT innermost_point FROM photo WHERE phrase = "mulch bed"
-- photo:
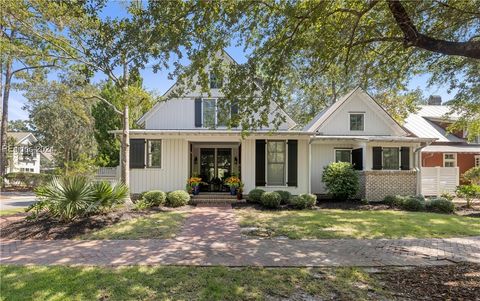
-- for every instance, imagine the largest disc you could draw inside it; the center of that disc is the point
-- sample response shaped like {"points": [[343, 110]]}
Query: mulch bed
{"points": [[324, 204], [47, 228], [448, 282]]}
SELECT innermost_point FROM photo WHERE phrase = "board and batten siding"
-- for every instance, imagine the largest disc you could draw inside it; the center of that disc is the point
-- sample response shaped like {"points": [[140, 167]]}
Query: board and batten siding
{"points": [[171, 176], [248, 167]]}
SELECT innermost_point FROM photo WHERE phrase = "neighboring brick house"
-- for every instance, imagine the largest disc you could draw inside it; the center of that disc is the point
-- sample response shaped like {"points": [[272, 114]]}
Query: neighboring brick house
{"points": [[450, 149]]}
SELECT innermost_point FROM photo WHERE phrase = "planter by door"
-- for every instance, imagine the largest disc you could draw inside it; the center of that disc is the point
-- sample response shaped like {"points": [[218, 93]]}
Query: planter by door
{"points": [[233, 190], [196, 190]]}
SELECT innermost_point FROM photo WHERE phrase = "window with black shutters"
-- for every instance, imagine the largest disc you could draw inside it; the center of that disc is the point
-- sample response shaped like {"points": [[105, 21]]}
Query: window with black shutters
{"points": [[154, 153]]}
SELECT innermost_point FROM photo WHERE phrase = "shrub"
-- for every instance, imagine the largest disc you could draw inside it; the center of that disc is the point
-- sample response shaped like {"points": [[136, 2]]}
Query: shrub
{"points": [[413, 203], [154, 197], [394, 200], [473, 175], [440, 205], [68, 198], [26, 179], [303, 201], [177, 198], [284, 195], [448, 196], [341, 180], [468, 192], [255, 195], [271, 199], [389, 200]]}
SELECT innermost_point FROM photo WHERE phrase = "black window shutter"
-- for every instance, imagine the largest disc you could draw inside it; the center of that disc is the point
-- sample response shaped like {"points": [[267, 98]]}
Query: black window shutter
{"points": [[292, 163], [377, 158], [405, 158], [260, 162], [357, 158], [137, 153], [198, 112]]}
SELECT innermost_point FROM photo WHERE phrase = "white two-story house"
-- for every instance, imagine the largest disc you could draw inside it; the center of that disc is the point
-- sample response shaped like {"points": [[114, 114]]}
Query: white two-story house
{"points": [[187, 136], [23, 156]]}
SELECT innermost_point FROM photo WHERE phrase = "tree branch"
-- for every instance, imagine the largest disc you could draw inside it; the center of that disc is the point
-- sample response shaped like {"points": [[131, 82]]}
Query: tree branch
{"points": [[414, 38], [32, 67], [106, 102]]}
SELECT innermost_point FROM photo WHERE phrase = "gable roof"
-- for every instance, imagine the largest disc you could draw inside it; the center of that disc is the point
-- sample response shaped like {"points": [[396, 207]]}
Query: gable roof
{"points": [[20, 136], [419, 123], [230, 60], [327, 113]]}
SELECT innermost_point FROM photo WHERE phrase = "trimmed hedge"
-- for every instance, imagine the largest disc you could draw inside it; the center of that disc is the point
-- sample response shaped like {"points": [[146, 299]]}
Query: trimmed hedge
{"points": [[154, 197], [440, 205], [341, 180], [255, 195], [177, 198], [271, 200], [284, 195], [413, 203], [303, 201]]}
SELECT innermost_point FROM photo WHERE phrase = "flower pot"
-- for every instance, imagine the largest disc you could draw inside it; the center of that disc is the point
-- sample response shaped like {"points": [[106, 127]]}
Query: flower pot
{"points": [[233, 190], [196, 190]]}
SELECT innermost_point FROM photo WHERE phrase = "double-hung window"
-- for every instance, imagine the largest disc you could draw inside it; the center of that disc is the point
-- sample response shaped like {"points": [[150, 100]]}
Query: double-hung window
{"points": [[449, 160], [276, 162], [216, 113], [391, 158], [357, 121], [343, 155], [154, 153], [215, 81]]}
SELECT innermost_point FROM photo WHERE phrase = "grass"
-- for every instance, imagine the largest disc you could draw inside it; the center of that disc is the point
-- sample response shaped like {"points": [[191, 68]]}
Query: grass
{"points": [[154, 226], [329, 223], [11, 211], [184, 283]]}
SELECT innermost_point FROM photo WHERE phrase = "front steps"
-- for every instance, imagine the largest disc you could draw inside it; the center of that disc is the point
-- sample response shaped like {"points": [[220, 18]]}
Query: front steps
{"points": [[214, 198]]}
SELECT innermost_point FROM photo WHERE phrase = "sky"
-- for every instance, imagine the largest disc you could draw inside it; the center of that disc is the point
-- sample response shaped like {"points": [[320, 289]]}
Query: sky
{"points": [[159, 82]]}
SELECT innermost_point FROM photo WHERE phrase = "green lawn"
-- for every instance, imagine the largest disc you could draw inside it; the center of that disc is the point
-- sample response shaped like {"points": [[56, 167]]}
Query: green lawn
{"points": [[184, 283], [326, 223], [157, 225], [11, 211]]}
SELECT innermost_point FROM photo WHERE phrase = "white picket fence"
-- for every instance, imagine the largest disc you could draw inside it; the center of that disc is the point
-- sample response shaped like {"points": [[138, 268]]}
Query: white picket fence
{"points": [[107, 173], [437, 180]]}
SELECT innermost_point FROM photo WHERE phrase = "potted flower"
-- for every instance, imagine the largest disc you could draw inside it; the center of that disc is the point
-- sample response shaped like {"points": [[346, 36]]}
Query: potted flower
{"points": [[233, 183], [193, 185], [240, 191]]}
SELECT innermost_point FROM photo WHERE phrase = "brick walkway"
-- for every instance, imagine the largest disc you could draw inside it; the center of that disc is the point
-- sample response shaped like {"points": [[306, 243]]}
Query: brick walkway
{"points": [[212, 237]]}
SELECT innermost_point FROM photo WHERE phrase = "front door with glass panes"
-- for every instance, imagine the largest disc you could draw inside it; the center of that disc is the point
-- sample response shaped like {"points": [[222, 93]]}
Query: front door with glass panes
{"points": [[215, 167]]}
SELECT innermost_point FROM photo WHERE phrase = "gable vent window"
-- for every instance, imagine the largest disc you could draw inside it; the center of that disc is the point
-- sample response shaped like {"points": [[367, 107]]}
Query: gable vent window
{"points": [[216, 113], [215, 81], [154, 153], [357, 122]]}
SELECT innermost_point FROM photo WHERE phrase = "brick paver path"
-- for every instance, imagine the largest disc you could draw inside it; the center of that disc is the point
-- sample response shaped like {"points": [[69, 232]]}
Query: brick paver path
{"points": [[212, 237]]}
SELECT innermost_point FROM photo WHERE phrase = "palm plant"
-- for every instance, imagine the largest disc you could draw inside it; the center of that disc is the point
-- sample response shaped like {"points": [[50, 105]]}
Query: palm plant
{"points": [[107, 195]]}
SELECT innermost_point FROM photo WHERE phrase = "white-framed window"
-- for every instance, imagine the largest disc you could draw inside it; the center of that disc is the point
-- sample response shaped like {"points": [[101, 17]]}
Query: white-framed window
{"points": [[215, 113], [276, 162], [391, 158], [357, 121], [343, 155], [215, 81], [154, 153], [477, 161], [449, 160]]}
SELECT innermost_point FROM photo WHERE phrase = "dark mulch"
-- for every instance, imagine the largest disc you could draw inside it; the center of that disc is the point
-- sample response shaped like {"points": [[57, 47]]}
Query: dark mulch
{"points": [[449, 282], [47, 228]]}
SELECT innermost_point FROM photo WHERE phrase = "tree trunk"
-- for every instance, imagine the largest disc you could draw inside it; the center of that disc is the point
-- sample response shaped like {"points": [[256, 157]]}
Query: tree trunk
{"points": [[125, 166], [4, 123]]}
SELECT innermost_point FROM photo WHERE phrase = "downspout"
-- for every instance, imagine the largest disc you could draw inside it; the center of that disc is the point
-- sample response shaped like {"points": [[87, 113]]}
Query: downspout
{"points": [[418, 165], [310, 165]]}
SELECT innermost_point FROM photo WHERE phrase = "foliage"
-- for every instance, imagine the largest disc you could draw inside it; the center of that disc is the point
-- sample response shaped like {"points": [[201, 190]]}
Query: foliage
{"points": [[233, 182], [341, 180], [448, 196], [19, 126], [413, 203], [177, 198], [303, 201], [336, 223], [271, 200], [154, 197], [285, 196], [473, 175], [440, 205], [194, 182], [30, 180], [394, 201], [255, 195], [68, 198], [468, 192]]}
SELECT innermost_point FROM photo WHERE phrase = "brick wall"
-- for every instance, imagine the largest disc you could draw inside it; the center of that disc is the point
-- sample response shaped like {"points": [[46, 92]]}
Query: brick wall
{"points": [[376, 184]]}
